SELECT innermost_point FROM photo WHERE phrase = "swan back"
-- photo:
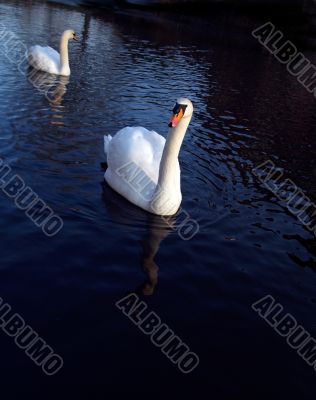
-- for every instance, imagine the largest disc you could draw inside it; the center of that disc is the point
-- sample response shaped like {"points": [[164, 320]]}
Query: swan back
{"points": [[137, 145], [44, 59]]}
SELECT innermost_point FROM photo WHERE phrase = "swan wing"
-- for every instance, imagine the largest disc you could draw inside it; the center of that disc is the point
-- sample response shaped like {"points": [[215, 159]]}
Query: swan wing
{"points": [[139, 146], [133, 157], [44, 59]]}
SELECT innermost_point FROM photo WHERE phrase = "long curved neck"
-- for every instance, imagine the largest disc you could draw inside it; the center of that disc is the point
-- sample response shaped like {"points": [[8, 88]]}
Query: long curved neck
{"points": [[64, 60], [168, 182]]}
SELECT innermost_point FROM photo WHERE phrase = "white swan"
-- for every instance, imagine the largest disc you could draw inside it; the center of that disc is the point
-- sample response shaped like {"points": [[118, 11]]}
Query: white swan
{"points": [[143, 167], [48, 60]]}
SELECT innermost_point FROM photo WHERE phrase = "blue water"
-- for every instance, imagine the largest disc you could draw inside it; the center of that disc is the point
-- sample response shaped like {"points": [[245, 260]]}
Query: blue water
{"points": [[248, 109]]}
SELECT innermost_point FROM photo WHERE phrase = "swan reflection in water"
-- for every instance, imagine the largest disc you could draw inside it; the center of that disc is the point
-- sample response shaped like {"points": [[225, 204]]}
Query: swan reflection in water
{"points": [[155, 229], [53, 87]]}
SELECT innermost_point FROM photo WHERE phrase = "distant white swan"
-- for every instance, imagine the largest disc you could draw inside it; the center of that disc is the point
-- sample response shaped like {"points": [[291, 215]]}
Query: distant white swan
{"points": [[48, 60], [143, 167]]}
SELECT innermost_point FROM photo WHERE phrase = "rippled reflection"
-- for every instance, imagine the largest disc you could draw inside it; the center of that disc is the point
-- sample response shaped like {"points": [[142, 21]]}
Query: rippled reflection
{"points": [[154, 229], [53, 88]]}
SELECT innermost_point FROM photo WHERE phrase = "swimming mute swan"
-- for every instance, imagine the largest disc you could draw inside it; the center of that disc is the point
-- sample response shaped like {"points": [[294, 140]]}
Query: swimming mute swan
{"points": [[143, 167], [48, 60]]}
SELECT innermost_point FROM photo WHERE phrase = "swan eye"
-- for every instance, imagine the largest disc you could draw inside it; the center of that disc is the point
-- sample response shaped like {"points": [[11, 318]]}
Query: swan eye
{"points": [[177, 114], [179, 107]]}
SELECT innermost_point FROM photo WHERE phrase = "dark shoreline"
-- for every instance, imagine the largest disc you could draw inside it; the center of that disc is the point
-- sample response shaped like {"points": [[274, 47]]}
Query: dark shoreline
{"points": [[282, 8], [212, 20]]}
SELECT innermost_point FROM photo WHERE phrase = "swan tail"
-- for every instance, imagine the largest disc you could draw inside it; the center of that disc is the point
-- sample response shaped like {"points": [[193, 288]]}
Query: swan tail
{"points": [[107, 140]]}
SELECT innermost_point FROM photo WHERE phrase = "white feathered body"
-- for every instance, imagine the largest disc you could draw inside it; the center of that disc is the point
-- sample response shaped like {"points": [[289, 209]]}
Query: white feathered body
{"points": [[133, 158], [44, 59]]}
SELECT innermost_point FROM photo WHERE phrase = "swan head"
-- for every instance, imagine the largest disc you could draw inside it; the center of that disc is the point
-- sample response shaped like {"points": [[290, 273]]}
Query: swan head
{"points": [[70, 34], [182, 109]]}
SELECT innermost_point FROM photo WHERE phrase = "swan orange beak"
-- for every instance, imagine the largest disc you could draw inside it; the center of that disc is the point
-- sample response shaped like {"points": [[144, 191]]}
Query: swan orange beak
{"points": [[176, 118]]}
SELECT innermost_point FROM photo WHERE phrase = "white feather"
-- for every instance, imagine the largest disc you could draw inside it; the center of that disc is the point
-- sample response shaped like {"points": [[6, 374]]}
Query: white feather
{"points": [[141, 148], [44, 59]]}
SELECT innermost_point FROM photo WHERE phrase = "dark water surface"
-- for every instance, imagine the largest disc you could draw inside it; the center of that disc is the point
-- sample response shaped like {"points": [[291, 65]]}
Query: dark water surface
{"points": [[248, 109]]}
